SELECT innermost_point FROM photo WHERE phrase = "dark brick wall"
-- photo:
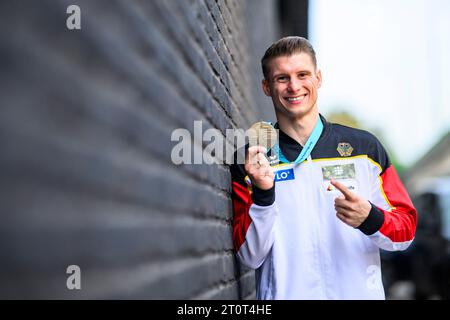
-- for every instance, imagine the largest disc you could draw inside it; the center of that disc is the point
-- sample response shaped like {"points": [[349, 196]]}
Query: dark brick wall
{"points": [[86, 118]]}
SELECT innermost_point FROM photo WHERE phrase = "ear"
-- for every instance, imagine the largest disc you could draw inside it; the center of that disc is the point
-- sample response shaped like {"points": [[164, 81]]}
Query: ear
{"points": [[266, 87], [319, 78]]}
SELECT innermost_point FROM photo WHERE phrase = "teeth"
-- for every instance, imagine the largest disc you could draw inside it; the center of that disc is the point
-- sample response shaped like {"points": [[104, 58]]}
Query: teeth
{"points": [[296, 99]]}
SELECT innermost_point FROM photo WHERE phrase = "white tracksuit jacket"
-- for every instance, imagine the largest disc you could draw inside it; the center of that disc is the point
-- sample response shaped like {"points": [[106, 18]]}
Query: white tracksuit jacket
{"points": [[291, 235]]}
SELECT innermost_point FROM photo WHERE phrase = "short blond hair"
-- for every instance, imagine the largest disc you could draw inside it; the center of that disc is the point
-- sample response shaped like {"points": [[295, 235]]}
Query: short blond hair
{"points": [[287, 46]]}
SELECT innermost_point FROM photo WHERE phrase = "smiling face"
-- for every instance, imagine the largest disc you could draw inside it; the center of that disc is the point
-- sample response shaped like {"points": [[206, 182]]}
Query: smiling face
{"points": [[292, 83]]}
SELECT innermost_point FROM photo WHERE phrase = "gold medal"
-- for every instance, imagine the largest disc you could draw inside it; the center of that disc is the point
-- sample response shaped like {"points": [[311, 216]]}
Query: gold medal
{"points": [[262, 134]]}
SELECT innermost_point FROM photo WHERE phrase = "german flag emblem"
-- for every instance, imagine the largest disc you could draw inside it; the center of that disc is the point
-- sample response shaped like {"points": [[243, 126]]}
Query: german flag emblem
{"points": [[345, 149]]}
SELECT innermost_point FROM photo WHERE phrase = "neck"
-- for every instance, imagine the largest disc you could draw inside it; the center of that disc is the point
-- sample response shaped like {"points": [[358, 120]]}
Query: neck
{"points": [[299, 129]]}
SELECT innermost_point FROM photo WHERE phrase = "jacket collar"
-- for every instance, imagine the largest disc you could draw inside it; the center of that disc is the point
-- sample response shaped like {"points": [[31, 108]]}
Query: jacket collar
{"points": [[290, 147]]}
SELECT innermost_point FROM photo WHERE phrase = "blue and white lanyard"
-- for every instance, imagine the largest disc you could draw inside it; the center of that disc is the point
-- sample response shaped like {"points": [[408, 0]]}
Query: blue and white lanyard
{"points": [[309, 146]]}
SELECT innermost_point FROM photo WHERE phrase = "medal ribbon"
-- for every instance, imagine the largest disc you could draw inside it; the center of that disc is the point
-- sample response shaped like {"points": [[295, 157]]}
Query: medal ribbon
{"points": [[309, 145]]}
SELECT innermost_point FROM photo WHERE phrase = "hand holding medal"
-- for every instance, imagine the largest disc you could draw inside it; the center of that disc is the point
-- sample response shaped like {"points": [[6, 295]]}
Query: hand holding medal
{"points": [[262, 136]]}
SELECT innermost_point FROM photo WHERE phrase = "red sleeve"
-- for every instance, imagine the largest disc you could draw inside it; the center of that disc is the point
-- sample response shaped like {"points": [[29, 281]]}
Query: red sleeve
{"points": [[400, 221], [242, 201]]}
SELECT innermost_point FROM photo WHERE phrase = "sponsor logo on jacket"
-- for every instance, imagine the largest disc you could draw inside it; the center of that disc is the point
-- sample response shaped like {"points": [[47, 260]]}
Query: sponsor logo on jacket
{"points": [[283, 175]]}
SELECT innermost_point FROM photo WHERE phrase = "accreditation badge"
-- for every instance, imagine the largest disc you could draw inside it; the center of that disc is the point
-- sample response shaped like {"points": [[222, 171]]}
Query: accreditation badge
{"points": [[344, 173]]}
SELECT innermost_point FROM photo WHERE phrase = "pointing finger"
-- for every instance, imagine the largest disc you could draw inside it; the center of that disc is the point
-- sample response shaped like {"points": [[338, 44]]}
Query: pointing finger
{"points": [[342, 188]]}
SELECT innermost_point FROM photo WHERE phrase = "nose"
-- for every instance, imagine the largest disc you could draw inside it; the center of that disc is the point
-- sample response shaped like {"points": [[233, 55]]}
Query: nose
{"points": [[294, 85]]}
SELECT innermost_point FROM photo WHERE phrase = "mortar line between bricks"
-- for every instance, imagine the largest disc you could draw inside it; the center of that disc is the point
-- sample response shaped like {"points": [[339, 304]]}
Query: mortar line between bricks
{"points": [[193, 217], [135, 208], [63, 66], [195, 106], [169, 263], [235, 25], [227, 17], [142, 90], [223, 65], [205, 254], [186, 173], [136, 202], [214, 289], [210, 5], [221, 38], [202, 81], [222, 285], [239, 21], [187, 256], [250, 296], [238, 29], [204, 182], [139, 271], [194, 103], [232, 58], [240, 54], [230, 31], [68, 148], [156, 218]]}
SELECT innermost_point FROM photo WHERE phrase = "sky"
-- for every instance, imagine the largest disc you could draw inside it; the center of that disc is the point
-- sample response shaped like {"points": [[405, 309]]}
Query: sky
{"points": [[386, 62]]}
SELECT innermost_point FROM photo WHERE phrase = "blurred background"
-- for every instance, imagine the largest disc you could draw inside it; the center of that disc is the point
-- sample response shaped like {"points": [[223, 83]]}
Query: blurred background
{"points": [[86, 117]]}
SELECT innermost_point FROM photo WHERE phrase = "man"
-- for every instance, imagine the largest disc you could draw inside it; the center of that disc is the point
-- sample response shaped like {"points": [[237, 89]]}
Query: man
{"points": [[312, 226]]}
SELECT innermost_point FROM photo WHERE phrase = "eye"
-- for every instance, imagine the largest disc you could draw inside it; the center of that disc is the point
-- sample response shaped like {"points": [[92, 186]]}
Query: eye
{"points": [[282, 79], [302, 75]]}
